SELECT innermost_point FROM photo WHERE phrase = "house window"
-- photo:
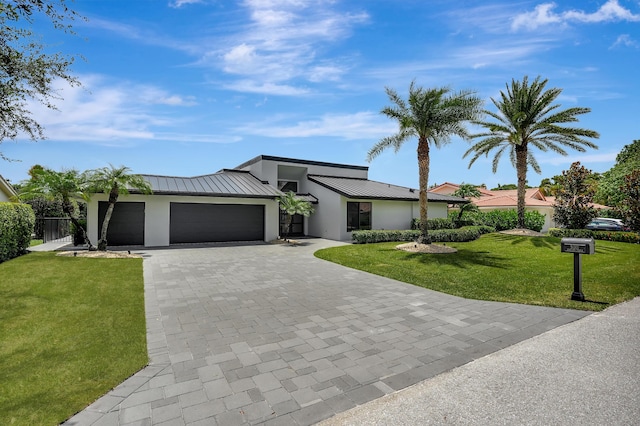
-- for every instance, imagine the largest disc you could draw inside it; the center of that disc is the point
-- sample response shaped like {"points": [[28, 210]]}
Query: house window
{"points": [[358, 216], [288, 185]]}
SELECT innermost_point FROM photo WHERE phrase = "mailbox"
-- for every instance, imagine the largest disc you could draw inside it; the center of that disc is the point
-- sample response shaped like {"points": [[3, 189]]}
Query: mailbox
{"points": [[578, 245]]}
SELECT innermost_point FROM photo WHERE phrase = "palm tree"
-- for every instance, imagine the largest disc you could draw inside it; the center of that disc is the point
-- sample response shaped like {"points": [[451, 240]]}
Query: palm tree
{"points": [[433, 116], [115, 181], [66, 186], [527, 118], [291, 204]]}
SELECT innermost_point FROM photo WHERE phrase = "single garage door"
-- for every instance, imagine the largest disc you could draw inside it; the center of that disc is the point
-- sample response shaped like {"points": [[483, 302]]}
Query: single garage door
{"points": [[126, 226], [203, 223]]}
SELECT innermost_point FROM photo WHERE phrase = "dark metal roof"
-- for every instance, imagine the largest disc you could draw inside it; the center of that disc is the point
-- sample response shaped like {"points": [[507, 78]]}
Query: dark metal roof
{"points": [[369, 189], [297, 161], [225, 183], [308, 197]]}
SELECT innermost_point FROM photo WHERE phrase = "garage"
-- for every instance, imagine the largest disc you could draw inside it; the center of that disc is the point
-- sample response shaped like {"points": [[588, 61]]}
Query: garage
{"points": [[203, 223], [126, 226]]}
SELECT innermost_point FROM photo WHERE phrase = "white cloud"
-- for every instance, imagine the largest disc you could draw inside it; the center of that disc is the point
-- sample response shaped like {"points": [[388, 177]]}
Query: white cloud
{"points": [[625, 40], [544, 15], [179, 3], [115, 113], [361, 125], [283, 45], [541, 15], [265, 88]]}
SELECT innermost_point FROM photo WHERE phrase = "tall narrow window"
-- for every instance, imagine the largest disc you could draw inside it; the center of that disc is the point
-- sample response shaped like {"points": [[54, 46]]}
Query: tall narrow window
{"points": [[358, 216]]}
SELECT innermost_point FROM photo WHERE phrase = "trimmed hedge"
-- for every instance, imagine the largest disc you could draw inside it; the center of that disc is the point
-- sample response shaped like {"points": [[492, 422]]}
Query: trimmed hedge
{"points": [[16, 226], [468, 233], [433, 224], [621, 237], [502, 220]]}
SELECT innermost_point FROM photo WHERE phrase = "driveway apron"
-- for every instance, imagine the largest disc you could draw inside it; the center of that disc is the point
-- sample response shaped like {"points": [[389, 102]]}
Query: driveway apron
{"points": [[269, 334]]}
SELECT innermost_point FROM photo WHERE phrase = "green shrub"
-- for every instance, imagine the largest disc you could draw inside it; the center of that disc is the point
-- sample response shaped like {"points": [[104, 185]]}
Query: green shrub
{"points": [[16, 226], [621, 237], [433, 224], [501, 220], [468, 233]]}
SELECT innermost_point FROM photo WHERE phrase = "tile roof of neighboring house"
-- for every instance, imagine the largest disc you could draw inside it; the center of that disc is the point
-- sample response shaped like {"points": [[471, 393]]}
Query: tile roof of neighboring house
{"points": [[509, 198], [448, 188], [225, 183], [7, 188], [596, 206], [369, 189]]}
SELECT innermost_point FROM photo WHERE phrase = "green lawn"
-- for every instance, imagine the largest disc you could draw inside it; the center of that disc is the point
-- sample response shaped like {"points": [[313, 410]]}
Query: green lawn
{"points": [[71, 329], [529, 270]]}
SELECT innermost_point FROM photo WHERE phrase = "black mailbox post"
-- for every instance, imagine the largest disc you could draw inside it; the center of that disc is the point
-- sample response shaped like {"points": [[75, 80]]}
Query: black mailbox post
{"points": [[577, 246]]}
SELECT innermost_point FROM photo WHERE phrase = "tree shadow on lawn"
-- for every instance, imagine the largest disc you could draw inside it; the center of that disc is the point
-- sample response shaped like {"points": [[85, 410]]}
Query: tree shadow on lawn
{"points": [[463, 259], [541, 242]]}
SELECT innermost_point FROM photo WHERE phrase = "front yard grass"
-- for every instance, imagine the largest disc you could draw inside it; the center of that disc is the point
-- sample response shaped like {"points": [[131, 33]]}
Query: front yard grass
{"points": [[71, 329], [506, 268]]}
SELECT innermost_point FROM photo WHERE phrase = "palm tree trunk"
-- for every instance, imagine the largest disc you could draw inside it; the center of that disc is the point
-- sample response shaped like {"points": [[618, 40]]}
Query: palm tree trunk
{"points": [[113, 199], [289, 222], [69, 209], [102, 242], [521, 170], [423, 173]]}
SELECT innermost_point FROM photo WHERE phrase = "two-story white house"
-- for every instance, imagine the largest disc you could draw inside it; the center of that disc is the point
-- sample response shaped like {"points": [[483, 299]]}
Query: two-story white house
{"points": [[241, 204]]}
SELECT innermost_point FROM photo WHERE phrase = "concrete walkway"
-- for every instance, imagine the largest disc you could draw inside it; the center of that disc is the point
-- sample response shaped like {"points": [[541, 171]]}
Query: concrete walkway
{"points": [[269, 334]]}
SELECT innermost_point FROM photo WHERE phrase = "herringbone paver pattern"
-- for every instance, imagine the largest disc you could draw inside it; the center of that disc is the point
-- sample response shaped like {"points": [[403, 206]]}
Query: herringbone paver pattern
{"points": [[268, 334]]}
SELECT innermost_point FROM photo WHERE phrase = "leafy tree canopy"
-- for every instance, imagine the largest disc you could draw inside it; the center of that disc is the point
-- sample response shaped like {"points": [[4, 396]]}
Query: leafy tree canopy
{"points": [[573, 208], [506, 186], [611, 181], [27, 68], [630, 206]]}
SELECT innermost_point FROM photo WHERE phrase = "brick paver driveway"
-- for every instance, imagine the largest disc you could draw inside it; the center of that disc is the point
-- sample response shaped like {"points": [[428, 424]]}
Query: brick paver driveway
{"points": [[269, 334]]}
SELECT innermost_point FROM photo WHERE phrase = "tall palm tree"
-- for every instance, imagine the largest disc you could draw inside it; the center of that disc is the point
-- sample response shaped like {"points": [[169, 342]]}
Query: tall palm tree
{"points": [[115, 181], [528, 118], [66, 186], [433, 116], [291, 204]]}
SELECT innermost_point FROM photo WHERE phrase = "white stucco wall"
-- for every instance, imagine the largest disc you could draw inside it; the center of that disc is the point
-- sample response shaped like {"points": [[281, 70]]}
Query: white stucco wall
{"points": [[328, 219], [157, 214]]}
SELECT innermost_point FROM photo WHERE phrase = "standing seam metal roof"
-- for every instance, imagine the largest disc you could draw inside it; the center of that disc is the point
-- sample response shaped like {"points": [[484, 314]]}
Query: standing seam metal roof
{"points": [[369, 189], [225, 183]]}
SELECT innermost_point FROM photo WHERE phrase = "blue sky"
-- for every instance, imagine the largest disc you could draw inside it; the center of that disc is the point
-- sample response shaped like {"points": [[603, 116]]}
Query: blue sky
{"points": [[188, 87]]}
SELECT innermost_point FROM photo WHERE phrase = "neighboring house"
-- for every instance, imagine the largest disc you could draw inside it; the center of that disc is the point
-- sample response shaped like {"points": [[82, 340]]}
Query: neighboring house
{"points": [[7, 193], [241, 205], [507, 200]]}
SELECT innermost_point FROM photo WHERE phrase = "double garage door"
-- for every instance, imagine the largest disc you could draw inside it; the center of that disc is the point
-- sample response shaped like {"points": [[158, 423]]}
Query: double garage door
{"points": [[202, 223], [189, 223]]}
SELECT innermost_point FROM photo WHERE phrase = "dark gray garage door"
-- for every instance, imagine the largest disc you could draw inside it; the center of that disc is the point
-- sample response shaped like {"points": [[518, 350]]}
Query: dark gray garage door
{"points": [[126, 226], [202, 223]]}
